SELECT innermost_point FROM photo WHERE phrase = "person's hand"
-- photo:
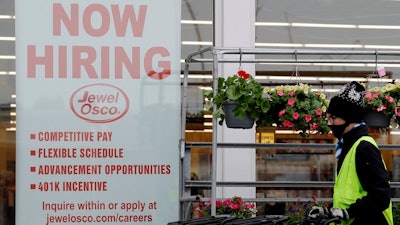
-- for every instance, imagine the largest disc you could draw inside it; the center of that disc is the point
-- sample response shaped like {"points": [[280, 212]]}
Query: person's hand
{"points": [[341, 213], [317, 211]]}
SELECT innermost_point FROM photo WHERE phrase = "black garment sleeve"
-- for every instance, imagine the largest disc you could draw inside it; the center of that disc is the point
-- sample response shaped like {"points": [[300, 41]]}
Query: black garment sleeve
{"points": [[374, 179]]}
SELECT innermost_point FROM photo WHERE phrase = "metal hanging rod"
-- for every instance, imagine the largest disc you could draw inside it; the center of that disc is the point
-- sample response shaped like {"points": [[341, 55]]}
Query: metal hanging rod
{"points": [[215, 51]]}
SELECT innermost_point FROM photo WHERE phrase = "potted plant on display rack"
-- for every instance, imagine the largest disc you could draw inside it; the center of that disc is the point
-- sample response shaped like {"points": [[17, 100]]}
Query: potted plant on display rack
{"points": [[380, 105], [238, 99], [394, 91], [296, 107], [234, 206]]}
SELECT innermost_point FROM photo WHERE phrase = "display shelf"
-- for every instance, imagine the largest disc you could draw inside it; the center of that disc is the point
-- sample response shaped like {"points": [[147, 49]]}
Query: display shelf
{"points": [[217, 56]]}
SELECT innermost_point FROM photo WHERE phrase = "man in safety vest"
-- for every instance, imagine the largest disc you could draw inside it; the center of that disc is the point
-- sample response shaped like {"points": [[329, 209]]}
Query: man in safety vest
{"points": [[362, 188]]}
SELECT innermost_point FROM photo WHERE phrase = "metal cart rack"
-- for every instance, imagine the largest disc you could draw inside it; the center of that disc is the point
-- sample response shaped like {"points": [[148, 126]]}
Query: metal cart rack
{"points": [[215, 57]]}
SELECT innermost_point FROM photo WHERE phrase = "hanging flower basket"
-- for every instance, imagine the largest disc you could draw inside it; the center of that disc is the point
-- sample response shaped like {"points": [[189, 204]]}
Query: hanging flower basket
{"points": [[375, 119], [397, 115], [234, 122], [243, 89], [296, 107]]}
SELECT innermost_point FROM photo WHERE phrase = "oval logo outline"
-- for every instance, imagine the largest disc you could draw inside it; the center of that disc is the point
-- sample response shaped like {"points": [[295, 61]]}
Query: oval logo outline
{"points": [[74, 108]]}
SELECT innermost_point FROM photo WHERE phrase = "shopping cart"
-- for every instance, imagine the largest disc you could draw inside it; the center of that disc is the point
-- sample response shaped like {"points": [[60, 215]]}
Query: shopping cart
{"points": [[211, 220], [320, 220], [218, 220], [260, 220]]}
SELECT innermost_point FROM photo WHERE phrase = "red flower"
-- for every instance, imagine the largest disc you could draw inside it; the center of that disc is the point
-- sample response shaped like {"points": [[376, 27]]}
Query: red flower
{"points": [[296, 115], [235, 206], [314, 126], [287, 123], [307, 118], [291, 101], [244, 74], [319, 112]]}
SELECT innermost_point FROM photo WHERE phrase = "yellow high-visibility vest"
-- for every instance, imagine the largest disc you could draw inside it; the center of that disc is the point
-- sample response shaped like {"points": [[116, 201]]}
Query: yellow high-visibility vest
{"points": [[348, 188]]}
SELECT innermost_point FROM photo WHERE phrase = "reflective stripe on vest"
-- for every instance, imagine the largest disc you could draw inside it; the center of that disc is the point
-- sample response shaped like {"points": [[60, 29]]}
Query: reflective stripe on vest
{"points": [[348, 188]]}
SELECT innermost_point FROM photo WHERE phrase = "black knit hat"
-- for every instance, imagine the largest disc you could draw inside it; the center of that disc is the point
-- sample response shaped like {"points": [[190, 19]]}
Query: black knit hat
{"points": [[349, 103]]}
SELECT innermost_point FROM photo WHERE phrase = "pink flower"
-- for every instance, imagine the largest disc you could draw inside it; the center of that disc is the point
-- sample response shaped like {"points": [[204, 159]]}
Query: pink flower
{"points": [[287, 123], [291, 101], [281, 113], [389, 98], [292, 93], [280, 93], [307, 118], [381, 108], [318, 112], [375, 95], [368, 95], [296, 115]]}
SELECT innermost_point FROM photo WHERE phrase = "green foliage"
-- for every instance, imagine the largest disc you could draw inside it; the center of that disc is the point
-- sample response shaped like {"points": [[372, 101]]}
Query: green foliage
{"points": [[297, 107], [383, 99], [243, 89], [297, 211]]}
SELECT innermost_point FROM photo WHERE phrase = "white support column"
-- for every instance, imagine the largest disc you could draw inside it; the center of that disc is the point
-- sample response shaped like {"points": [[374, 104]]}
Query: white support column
{"points": [[234, 27]]}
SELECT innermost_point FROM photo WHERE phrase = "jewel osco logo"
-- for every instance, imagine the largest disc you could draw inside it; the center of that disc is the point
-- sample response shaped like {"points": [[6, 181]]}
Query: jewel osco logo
{"points": [[99, 103]]}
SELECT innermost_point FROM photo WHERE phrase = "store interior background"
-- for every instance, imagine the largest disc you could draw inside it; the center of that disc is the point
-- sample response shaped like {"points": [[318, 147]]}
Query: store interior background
{"points": [[284, 24]]}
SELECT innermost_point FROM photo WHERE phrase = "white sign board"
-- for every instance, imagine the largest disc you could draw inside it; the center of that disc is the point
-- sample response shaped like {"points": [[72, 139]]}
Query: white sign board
{"points": [[98, 110]]}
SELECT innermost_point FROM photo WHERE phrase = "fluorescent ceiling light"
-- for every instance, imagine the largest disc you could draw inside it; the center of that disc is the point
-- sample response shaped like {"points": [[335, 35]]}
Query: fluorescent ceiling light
{"points": [[272, 24], [325, 25], [385, 27], [319, 25], [196, 43], [196, 22], [278, 45], [382, 46], [293, 45], [337, 79], [7, 73], [6, 17], [7, 38], [332, 46], [7, 56], [198, 76]]}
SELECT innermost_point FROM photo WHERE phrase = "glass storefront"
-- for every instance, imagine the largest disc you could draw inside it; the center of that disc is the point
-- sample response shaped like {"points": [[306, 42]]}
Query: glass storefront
{"points": [[307, 24]]}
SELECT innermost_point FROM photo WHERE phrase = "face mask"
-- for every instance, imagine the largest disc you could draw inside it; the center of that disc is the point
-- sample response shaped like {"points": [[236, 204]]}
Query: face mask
{"points": [[338, 130]]}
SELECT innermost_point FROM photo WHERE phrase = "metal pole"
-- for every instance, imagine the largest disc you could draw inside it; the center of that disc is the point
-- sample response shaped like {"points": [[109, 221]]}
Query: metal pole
{"points": [[215, 140]]}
